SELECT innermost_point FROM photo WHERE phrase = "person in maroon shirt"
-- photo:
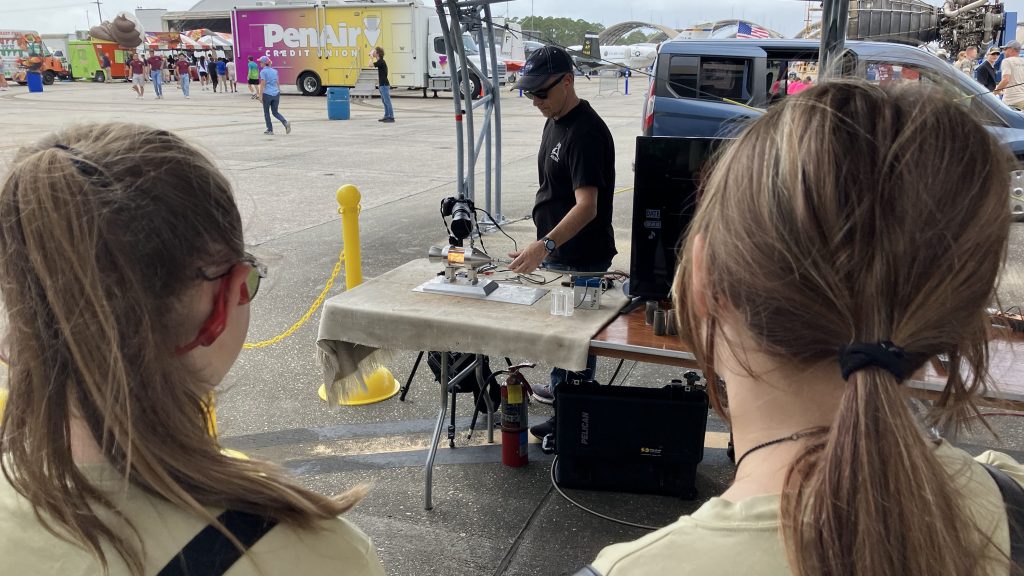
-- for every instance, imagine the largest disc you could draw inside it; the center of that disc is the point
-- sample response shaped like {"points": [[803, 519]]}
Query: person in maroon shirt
{"points": [[156, 65], [182, 67], [138, 75]]}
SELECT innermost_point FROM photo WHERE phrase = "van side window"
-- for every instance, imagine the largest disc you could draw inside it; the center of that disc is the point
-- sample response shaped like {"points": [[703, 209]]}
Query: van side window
{"points": [[439, 45], [682, 76], [725, 78]]}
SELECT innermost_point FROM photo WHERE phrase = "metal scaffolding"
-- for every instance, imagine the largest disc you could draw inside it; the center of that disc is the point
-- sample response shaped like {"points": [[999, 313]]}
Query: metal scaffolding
{"points": [[474, 17]]}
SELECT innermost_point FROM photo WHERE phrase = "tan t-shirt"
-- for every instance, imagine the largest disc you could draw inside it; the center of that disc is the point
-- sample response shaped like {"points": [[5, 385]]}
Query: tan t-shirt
{"points": [[336, 548], [1013, 68], [724, 537]]}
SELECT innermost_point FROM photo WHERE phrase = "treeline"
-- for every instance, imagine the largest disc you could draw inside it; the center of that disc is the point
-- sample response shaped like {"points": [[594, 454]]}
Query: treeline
{"points": [[569, 32], [561, 31]]}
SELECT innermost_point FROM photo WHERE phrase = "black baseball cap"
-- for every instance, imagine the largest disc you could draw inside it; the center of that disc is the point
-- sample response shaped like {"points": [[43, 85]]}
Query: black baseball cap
{"points": [[542, 65]]}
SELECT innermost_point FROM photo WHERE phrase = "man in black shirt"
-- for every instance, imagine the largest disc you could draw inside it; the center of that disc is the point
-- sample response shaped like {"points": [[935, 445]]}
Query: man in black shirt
{"points": [[573, 207], [383, 84], [985, 74]]}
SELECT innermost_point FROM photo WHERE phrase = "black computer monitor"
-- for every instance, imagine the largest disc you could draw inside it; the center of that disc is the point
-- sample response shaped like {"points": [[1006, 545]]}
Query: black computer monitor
{"points": [[666, 179]]}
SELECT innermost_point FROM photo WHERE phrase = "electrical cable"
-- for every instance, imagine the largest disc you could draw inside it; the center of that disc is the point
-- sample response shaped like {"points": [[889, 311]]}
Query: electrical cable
{"points": [[626, 377], [615, 374], [588, 510], [515, 246]]}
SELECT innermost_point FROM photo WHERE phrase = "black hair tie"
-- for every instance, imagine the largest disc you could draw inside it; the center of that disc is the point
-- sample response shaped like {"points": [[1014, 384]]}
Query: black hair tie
{"points": [[885, 355], [84, 167]]}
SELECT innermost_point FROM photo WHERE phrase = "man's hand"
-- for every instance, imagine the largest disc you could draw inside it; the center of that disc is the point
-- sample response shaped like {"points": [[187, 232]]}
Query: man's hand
{"points": [[526, 261]]}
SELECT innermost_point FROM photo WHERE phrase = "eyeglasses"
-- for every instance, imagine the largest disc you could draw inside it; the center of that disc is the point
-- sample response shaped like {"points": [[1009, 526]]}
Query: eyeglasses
{"points": [[257, 272], [217, 321], [542, 94]]}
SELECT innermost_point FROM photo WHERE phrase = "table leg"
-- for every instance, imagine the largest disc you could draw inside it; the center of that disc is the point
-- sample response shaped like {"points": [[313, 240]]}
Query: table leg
{"points": [[437, 430], [487, 398]]}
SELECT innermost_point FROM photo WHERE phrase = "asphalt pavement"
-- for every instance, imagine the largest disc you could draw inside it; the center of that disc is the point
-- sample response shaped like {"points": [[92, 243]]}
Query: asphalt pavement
{"points": [[488, 519]]}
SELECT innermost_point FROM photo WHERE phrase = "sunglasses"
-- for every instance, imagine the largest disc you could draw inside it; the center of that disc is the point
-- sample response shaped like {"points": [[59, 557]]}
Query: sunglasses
{"points": [[542, 93]]}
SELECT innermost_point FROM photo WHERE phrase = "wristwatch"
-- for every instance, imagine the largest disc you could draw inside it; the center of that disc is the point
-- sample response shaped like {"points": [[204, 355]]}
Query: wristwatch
{"points": [[549, 244]]}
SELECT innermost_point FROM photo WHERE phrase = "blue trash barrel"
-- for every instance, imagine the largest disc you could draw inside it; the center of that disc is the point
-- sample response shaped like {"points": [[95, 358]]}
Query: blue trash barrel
{"points": [[35, 81], [338, 105]]}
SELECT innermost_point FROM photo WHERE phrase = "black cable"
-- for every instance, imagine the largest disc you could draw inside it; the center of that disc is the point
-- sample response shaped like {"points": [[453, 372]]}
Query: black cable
{"points": [[515, 246], [550, 42], [616, 373], [626, 377], [445, 222]]}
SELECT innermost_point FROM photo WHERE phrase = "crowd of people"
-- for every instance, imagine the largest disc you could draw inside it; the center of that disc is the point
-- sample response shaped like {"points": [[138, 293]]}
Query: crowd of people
{"points": [[835, 250], [1001, 71], [216, 73]]}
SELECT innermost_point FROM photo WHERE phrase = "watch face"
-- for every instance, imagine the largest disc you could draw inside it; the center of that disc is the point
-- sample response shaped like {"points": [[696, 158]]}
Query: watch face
{"points": [[550, 245]]}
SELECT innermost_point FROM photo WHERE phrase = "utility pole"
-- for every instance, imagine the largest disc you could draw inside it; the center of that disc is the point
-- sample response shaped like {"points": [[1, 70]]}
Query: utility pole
{"points": [[98, 11], [835, 18]]}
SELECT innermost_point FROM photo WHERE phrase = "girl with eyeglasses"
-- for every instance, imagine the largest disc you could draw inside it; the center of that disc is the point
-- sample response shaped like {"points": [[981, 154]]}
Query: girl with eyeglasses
{"points": [[126, 292]]}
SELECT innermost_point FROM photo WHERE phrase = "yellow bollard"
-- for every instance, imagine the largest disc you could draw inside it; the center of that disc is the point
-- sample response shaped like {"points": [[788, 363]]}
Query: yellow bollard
{"points": [[380, 385], [348, 206]]}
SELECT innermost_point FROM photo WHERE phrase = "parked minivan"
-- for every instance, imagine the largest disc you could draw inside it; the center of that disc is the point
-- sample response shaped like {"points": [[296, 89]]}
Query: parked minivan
{"points": [[708, 88]]}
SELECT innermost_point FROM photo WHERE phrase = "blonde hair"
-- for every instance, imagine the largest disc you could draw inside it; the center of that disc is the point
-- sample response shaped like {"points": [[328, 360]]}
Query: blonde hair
{"points": [[103, 229], [848, 214]]}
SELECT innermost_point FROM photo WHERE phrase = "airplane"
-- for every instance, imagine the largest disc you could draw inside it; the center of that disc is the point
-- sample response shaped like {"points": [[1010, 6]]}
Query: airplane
{"points": [[635, 56]]}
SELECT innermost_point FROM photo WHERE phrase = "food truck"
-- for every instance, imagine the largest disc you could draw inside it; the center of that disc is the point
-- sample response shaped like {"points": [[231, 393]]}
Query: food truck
{"points": [[24, 51], [86, 58], [318, 46]]}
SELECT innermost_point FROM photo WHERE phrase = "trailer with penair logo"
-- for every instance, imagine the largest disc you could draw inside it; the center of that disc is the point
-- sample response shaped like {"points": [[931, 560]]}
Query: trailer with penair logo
{"points": [[317, 46]]}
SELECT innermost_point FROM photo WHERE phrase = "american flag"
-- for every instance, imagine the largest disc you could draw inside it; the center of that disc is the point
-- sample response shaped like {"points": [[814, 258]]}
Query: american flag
{"points": [[747, 30]]}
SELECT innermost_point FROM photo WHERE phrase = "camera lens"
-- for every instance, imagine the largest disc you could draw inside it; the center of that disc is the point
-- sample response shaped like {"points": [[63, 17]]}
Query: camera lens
{"points": [[462, 221]]}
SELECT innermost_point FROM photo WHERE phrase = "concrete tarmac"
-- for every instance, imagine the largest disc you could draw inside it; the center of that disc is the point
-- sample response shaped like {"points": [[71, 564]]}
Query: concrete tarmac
{"points": [[488, 519]]}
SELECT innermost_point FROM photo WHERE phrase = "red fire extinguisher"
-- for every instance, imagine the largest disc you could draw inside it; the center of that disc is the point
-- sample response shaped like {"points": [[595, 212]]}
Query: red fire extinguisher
{"points": [[514, 418]]}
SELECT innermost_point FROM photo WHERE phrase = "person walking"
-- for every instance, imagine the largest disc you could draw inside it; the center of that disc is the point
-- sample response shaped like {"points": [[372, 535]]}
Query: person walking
{"points": [[138, 70], [802, 290], [106, 68], [270, 96], [383, 84], [204, 74], [222, 74], [3, 76], [232, 79], [573, 205], [125, 279], [211, 69], [1011, 86], [156, 73], [184, 80], [254, 78], [985, 73]]}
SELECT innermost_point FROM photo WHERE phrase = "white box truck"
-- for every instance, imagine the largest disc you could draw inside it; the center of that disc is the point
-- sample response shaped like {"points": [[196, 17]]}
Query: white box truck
{"points": [[318, 46]]}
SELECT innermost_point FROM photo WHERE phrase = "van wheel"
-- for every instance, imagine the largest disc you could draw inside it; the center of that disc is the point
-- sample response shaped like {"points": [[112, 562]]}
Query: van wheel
{"points": [[99, 76], [48, 77], [310, 85]]}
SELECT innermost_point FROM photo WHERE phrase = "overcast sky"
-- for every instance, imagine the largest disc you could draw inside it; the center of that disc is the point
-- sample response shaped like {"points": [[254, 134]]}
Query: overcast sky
{"points": [[786, 16]]}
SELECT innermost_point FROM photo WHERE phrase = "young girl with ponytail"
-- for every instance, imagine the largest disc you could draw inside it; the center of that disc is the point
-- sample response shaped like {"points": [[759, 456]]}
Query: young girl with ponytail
{"points": [[849, 236]]}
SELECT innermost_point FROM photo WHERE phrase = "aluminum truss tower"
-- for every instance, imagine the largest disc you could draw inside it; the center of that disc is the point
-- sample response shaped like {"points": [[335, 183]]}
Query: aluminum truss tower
{"points": [[459, 17]]}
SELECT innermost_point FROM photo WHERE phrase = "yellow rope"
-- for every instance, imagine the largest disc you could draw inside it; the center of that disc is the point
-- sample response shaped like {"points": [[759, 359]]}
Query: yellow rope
{"points": [[305, 317]]}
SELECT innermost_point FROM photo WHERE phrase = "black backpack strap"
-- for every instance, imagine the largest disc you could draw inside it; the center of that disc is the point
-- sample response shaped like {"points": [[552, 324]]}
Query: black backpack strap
{"points": [[1013, 497], [210, 553], [587, 570]]}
